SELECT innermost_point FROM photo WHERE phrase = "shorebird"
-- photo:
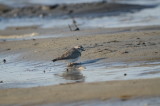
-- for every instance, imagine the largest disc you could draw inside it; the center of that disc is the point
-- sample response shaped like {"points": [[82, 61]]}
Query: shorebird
{"points": [[71, 55]]}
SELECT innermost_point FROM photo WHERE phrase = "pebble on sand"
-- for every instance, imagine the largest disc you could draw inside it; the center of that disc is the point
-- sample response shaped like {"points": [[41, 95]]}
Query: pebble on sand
{"points": [[4, 61]]}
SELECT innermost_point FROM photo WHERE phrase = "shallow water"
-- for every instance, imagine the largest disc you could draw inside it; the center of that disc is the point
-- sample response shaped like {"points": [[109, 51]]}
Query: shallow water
{"points": [[22, 74]]}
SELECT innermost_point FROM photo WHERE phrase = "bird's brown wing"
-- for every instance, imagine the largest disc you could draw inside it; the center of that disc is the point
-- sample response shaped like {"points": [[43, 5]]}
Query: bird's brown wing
{"points": [[71, 54]]}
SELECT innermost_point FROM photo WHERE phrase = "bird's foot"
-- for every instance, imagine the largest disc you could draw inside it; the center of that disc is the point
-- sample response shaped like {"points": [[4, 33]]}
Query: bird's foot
{"points": [[71, 64]]}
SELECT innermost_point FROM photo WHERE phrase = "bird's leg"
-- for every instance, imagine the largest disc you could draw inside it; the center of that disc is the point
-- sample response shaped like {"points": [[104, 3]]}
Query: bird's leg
{"points": [[71, 64]]}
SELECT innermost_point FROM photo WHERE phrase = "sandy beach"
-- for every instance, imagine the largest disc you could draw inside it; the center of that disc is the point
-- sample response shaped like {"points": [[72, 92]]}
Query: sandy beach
{"points": [[27, 46], [138, 45], [121, 46]]}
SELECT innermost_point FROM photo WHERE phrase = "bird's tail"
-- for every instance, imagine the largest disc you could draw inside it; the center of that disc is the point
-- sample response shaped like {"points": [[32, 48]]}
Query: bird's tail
{"points": [[54, 60]]}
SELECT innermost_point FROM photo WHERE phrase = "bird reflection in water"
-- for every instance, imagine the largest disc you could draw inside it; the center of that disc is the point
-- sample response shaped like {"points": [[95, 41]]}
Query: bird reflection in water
{"points": [[74, 73]]}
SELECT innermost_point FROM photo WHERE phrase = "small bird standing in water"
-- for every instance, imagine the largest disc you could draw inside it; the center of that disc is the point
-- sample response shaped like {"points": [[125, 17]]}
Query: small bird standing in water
{"points": [[71, 55]]}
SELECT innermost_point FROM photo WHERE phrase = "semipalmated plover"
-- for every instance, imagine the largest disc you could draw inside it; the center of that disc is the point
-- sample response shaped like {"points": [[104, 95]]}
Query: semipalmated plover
{"points": [[71, 55]]}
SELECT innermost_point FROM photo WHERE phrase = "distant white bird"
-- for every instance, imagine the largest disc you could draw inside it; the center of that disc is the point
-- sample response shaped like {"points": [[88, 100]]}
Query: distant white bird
{"points": [[71, 55]]}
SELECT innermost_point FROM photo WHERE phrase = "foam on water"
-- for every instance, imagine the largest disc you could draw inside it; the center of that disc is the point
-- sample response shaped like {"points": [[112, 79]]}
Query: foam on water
{"points": [[144, 17]]}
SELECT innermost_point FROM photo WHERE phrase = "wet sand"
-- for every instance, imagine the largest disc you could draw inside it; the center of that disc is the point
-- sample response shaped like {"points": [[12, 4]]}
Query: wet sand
{"points": [[123, 90], [134, 45], [138, 45]]}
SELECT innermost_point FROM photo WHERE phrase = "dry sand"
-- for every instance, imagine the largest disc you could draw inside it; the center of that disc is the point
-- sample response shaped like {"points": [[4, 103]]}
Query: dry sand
{"points": [[125, 46]]}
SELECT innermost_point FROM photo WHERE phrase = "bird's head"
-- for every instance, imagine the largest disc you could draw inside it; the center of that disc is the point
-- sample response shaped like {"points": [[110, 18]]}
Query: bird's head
{"points": [[79, 48]]}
